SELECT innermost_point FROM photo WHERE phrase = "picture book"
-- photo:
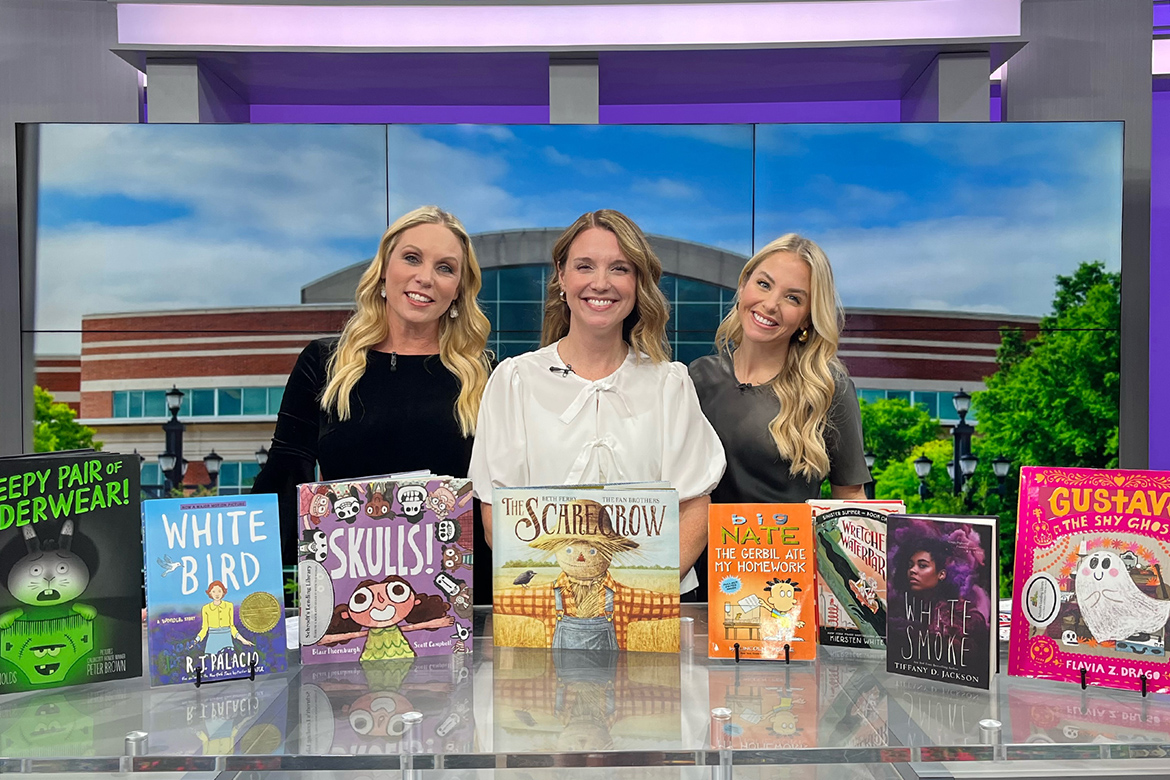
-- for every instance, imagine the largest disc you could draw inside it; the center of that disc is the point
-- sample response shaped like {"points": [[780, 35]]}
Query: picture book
{"points": [[762, 598], [771, 709], [586, 567], [358, 707], [384, 568], [70, 579], [942, 623], [214, 588], [576, 700], [1090, 594], [851, 571]]}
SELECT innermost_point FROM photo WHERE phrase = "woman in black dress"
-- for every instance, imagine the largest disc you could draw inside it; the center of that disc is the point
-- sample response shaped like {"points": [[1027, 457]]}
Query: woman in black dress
{"points": [[400, 389]]}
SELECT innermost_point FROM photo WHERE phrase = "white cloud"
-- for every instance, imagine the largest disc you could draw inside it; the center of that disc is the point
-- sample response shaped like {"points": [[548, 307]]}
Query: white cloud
{"points": [[671, 189]]}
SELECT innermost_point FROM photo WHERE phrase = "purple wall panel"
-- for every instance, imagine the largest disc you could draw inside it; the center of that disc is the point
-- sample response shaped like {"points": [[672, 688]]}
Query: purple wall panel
{"points": [[1160, 284], [740, 113], [423, 115]]}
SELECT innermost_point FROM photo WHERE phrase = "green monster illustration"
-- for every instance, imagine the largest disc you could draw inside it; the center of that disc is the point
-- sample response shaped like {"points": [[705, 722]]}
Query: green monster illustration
{"points": [[45, 640]]}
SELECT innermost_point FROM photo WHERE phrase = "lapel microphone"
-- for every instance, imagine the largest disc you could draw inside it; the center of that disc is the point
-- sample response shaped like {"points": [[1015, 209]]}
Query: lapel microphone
{"points": [[564, 370]]}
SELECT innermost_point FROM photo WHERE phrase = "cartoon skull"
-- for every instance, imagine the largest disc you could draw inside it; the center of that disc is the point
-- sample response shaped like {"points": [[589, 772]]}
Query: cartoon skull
{"points": [[347, 507], [412, 498], [315, 546]]}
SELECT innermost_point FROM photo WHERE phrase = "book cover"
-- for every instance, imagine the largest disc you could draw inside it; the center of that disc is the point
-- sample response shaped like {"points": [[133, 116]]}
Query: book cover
{"points": [[576, 700], [70, 555], [586, 568], [942, 623], [384, 568], [1092, 552], [851, 571], [761, 571], [214, 588], [771, 709], [358, 707]]}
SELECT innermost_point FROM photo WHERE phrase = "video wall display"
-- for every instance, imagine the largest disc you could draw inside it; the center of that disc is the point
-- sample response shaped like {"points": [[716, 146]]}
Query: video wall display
{"points": [[206, 256]]}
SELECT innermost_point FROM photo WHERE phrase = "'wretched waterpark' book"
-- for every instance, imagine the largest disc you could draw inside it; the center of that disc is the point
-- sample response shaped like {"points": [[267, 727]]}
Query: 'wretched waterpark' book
{"points": [[214, 588], [70, 581]]}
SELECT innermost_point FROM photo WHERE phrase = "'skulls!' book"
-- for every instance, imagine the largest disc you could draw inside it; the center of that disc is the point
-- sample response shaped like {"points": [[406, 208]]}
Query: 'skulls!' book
{"points": [[70, 605], [384, 568], [942, 623], [1090, 593], [592, 568], [214, 588], [761, 570], [851, 571]]}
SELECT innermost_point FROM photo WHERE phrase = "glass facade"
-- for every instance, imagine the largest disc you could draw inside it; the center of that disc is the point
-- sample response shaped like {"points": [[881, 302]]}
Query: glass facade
{"points": [[200, 402], [513, 300], [236, 477], [937, 403]]}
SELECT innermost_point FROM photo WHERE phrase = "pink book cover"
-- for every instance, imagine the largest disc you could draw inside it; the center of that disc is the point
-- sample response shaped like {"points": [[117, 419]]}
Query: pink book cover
{"points": [[1092, 553]]}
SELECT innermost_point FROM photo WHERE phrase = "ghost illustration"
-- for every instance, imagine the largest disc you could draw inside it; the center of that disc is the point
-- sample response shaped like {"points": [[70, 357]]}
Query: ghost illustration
{"points": [[1111, 603]]}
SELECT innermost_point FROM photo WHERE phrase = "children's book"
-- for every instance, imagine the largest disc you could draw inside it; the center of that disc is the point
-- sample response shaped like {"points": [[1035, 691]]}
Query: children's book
{"points": [[70, 576], [385, 568], [851, 571], [770, 709], [1090, 594], [214, 588], [586, 567], [762, 599], [942, 623]]}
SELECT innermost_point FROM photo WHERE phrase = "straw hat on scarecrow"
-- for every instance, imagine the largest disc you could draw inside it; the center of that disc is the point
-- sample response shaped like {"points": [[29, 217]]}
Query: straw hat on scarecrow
{"points": [[588, 522]]}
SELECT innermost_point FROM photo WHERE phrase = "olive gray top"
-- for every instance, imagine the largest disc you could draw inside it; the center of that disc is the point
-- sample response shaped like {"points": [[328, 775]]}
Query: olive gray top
{"points": [[741, 414]]}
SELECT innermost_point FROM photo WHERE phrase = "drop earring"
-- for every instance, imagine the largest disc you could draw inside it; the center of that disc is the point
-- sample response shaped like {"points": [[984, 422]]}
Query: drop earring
{"points": [[803, 337], [562, 294], [382, 292], [454, 312]]}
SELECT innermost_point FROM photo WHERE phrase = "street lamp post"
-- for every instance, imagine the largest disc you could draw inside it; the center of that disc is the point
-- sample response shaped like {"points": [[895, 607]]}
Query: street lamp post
{"points": [[922, 466], [870, 459], [964, 460], [261, 456], [171, 461], [212, 462], [1001, 466]]}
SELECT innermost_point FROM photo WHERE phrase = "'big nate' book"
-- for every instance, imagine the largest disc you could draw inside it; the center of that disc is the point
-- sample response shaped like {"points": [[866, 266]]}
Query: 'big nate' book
{"points": [[1090, 595], [384, 568], [593, 568], [70, 570], [214, 588], [851, 571], [761, 574]]}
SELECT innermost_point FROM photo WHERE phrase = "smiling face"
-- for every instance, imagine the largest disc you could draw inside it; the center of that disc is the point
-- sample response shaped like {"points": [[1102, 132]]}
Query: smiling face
{"points": [[1101, 564], [582, 561], [774, 301], [600, 284], [216, 593], [923, 572], [381, 604], [422, 275]]}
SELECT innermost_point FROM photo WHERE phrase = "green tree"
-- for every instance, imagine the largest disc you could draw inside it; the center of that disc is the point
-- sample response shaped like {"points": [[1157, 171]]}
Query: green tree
{"points": [[898, 480], [893, 428], [55, 426]]}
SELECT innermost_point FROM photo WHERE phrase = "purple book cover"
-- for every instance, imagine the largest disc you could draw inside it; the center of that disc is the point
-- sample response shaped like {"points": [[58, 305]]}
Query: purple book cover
{"points": [[385, 568], [940, 589]]}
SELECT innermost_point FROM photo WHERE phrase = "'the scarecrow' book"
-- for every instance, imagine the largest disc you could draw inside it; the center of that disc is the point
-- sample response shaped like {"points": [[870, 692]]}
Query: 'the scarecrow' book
{"points": [[214, 588], [70, 576], [385, 568], [942, 623], [1092, 555], [588, 568], [760, 561], [851, 571]]}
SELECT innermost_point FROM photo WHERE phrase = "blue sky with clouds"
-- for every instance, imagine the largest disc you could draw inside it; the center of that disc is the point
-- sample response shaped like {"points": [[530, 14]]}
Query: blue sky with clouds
{"points": [[980, 216]]}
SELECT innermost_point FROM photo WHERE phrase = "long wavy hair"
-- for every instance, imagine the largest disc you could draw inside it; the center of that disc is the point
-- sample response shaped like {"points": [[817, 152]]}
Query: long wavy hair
{"points": [[645, 327], [462, 341], [806, 382]]}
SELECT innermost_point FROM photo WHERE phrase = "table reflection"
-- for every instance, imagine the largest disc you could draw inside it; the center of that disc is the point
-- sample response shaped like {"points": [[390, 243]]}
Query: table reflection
{"points": [[69, 722], [238, 717], [358, 707], [1041, 712], [853, 704], [572, 700]]}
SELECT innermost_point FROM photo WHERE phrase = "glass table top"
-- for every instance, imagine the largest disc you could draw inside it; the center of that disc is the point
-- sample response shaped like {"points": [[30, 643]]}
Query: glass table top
{"points": [[499, 708]]}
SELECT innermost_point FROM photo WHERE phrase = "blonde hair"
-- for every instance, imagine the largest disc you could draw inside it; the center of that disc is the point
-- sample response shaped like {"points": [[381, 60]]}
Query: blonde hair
{"points": [[645, 328], [462, 341], [807, 381]]}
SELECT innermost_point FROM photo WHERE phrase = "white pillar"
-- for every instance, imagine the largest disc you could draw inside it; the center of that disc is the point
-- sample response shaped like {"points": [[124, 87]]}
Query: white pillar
{"points": [[183, 91], [573, 94]]}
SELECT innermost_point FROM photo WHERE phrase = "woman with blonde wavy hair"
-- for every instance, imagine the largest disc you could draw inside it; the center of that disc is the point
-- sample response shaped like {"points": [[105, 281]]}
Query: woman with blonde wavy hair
{"points": [[600, 401], [400, 389]]}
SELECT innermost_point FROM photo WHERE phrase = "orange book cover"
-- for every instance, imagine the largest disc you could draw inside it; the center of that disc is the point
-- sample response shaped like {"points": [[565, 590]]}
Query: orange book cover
{"points": [[761, 575]]}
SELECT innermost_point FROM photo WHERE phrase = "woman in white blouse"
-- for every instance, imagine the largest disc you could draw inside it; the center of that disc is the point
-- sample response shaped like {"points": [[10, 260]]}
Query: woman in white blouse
{"points": [[600, 401]]}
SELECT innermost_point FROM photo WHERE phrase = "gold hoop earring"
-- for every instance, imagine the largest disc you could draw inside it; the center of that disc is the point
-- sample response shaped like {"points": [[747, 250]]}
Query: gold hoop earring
{"points": [[803, 337]]}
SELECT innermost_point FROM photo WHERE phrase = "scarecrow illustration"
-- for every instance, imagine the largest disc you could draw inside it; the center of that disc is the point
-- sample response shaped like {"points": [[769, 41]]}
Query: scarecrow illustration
{"points": [[585, 607]]}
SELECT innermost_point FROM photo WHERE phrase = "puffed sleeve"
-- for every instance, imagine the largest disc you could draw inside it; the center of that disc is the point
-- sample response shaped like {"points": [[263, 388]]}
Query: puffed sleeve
{"points": [[844, 438], [692, 460], [499, 456], [292, 459]]}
